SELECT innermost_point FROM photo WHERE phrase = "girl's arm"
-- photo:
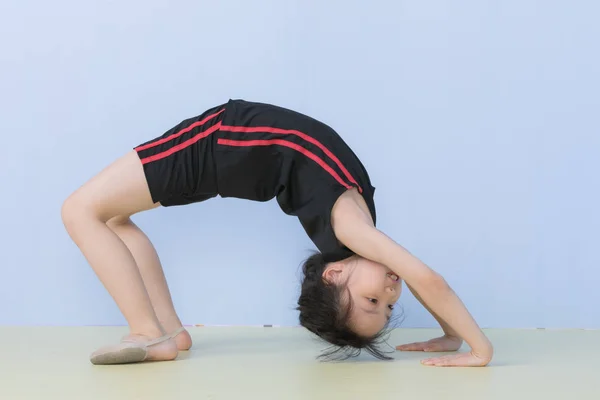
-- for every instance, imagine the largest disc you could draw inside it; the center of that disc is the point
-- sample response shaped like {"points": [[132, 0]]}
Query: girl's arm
{"points": [[448, 331], [449, 342], [355, 230]]}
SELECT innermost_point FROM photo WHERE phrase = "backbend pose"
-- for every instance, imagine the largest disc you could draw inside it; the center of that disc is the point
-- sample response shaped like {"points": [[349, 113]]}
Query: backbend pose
{"points": [[259, 152]]}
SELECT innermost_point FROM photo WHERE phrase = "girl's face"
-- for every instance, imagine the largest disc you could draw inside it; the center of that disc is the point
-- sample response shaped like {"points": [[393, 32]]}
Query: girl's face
{"points": [[373, 289]]}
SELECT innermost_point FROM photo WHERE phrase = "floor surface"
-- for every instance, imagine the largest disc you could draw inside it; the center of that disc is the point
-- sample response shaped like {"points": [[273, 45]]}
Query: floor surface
{"points": [[279, 363]]}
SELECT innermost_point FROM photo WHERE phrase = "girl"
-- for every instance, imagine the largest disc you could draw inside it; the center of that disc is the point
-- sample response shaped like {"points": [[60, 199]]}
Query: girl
{"points": [[260, 152]]}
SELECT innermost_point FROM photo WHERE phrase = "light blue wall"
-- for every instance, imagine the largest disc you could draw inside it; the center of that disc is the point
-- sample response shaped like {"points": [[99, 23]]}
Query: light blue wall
{"points": [[478, 121]]}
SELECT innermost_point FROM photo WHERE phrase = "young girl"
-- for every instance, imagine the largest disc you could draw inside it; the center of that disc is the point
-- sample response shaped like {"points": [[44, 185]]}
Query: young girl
{"points": [[259, 152]]}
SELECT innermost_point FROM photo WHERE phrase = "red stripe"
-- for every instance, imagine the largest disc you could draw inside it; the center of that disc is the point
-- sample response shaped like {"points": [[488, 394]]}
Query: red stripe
{"points": [[254, 129], [281, 142], [181, 132], [182, 145]]}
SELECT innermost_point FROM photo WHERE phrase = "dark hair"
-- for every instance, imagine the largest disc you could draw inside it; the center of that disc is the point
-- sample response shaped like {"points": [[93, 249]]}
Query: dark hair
{"points": [[323, 313]]}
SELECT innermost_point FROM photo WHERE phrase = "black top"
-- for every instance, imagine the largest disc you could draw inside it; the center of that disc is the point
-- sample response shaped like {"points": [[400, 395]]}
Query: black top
{"points": [[264, 151]]}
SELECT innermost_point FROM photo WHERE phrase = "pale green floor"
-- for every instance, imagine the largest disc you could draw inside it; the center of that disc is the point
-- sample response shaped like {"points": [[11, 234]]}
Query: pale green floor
{"points": [[279, 363]]}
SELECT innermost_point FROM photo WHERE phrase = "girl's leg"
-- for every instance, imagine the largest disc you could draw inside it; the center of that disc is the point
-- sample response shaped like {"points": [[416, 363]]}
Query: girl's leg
{"points": [[150, 268], [120, 189]]}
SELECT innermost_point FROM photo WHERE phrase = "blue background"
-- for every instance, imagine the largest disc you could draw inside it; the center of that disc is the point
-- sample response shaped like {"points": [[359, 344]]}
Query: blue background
{"points": [[477, 120]]}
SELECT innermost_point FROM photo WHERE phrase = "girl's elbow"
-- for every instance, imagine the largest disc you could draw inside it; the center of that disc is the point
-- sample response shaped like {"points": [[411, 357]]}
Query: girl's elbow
{"points": [[434, 282]]}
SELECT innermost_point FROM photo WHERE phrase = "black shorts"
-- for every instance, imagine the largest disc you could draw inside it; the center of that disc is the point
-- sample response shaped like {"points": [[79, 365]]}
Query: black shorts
{"points": [[258, 152], [179, 165]]}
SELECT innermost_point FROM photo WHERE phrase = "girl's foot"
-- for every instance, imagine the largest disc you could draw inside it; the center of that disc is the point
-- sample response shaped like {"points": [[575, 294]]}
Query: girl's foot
{"points": [[180, 335], [136, 348], [183, 339]]}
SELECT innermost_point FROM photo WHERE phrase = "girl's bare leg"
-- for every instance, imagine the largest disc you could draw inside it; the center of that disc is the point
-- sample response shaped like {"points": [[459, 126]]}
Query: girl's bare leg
{"points": [[150, 268], [120, 189]]}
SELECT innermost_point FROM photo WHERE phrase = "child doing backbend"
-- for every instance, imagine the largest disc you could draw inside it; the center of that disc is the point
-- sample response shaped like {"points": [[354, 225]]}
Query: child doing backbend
{"points": [[260, 152]]}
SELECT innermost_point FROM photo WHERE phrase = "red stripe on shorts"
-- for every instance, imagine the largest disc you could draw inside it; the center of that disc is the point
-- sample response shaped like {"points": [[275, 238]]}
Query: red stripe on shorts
{"points": [[181, 132], [182, 145]]}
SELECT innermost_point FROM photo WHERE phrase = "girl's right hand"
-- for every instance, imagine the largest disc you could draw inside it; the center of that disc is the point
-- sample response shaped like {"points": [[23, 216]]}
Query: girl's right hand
{"points": [[444, 343]]}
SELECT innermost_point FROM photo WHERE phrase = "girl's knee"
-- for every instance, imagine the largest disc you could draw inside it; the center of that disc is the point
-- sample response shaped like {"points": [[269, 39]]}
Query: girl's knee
{"points": [[118, 221], [78, 209], [68, 213], [71, 209]]}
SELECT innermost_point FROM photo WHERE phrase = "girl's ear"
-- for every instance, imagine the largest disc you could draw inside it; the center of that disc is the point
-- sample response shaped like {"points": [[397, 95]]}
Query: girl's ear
{"points": [[333, 273]]}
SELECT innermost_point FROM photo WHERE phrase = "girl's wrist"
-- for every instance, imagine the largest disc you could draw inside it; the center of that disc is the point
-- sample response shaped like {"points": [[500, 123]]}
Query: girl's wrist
{"points": [[484, 350]]}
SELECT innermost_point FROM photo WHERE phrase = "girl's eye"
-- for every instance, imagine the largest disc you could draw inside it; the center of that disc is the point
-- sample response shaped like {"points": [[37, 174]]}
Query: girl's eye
{"points": [[374, 301], [391, 306]]}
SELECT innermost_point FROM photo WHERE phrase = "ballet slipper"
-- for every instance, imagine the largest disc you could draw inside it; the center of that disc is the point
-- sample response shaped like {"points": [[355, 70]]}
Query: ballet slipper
{"points": [[177, 332], [126, 338], [127, 352]]}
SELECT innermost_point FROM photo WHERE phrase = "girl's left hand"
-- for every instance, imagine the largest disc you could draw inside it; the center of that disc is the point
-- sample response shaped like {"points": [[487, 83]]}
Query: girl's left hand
{"points": [[444, 343], [458, 360]]}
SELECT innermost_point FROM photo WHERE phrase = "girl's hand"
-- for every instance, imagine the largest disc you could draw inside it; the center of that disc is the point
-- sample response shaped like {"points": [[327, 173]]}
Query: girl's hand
{"points": [[470, 359], [447, 343], [444, 343]]}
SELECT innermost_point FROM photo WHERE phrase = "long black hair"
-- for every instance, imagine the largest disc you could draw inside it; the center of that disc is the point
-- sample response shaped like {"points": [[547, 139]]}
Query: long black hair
{"points": [[324, 313]]}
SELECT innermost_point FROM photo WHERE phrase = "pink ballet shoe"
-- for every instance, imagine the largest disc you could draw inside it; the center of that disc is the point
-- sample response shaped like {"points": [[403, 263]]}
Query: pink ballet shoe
{"points": [[127, 352], [177, 332], [126, 338]]}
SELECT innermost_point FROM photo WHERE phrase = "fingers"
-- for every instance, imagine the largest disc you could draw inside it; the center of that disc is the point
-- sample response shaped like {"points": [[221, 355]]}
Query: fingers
{"points": [[421, 346], [445, 361], [416, 346], [434, 347], [455, 360]]}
